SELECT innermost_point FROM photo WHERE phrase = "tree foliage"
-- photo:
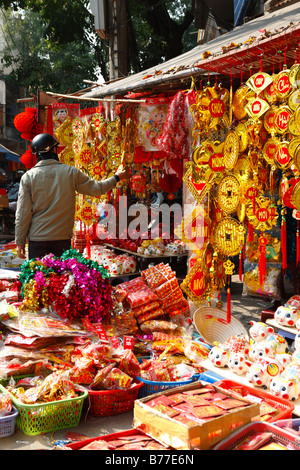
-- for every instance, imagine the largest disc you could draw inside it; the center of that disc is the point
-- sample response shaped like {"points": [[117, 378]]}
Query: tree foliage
{"points": [[52, 44]]}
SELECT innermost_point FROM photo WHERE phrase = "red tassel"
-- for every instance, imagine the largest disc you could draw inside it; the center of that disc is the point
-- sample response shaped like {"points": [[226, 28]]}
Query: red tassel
{"points": [[228, 304], [250, 233], [283, 244], [262, 260], [88, 246], [298, 243], [241, 266]]}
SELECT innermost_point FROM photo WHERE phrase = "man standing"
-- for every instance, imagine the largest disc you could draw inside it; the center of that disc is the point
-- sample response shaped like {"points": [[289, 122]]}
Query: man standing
{"points": [[46, 202]]}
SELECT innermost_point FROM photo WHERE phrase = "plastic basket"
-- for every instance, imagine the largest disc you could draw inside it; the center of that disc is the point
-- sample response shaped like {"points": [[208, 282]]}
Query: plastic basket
{"points": [[150, 387], [7, 423], [249, 429], [284, 407], [41, 418], [112, 402], [211, 323], [290, 425]]}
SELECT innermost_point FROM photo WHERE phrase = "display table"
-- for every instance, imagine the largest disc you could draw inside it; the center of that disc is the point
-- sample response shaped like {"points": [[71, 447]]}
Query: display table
{"points": [[285, 331], [9, 273], [241, 379]]}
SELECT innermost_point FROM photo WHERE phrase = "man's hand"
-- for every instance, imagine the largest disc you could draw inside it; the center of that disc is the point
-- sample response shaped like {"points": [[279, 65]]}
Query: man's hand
{"points": [[21, 251], [121, 174]]}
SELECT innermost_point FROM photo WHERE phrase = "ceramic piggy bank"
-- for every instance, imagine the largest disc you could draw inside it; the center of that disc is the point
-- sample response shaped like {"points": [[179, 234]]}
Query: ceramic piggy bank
{"points": [[293, 302], [286, 316], [238, 363], [272, 345], [259, 330], [296, 353], [237, 344], [129, 265], [219, 356], [116, 268], [287, 385], [263, 371]]}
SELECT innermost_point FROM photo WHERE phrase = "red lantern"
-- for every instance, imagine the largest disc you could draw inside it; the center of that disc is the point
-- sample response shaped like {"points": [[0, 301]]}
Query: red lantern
{"points": [[170, 183], [138, 184]]}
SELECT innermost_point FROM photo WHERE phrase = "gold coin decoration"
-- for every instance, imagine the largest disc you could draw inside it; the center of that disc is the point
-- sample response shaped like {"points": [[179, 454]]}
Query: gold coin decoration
{"points": [[228, 194], [296, 196], [229, 236], [231, 150]]}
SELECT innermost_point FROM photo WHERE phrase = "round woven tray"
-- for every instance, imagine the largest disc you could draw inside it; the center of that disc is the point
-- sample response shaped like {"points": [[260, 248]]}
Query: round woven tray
{"points": [[211, 324]]}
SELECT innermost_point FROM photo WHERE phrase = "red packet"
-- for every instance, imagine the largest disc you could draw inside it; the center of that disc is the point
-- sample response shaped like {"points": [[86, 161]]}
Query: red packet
{"points": [[98, 445], [163, 400], [128, 342], [166, 410], [177, 398], [230, 403], [208, 411], [196, 400]]}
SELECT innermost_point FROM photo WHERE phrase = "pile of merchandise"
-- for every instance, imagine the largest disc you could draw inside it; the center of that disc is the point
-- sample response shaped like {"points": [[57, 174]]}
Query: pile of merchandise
{"points": [[67, 327]]}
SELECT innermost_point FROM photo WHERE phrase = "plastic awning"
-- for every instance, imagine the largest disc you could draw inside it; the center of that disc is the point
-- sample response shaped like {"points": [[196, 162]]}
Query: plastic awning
{"points": [[252, 44], [9, 154]]}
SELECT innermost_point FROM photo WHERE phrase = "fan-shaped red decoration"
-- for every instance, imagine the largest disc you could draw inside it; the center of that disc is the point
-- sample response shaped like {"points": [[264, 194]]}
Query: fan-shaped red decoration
{"points": [[28, 159]]}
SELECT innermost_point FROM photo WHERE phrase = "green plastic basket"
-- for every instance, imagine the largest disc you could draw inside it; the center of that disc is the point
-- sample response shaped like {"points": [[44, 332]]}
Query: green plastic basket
{"points": [[42, 418]]}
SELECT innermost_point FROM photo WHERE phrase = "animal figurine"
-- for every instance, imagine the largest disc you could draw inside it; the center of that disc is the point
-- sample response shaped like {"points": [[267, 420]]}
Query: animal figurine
{"points": [[237, 344], [286, 316], [265, 339], [259, 331], [261, 372], [219, 356], [238, 363], [287, 384]]}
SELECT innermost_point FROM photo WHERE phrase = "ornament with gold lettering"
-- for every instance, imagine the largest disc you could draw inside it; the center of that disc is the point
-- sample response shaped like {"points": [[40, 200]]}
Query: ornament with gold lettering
{"points": [[269, 150], [259, 82], [281, 119], [195, 228], [282, 84], [264, 215], [282, 157], [196, 285], [256, 107]]}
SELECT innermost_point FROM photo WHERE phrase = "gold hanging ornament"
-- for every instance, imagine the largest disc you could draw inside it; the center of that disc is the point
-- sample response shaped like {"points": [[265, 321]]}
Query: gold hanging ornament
{"points": [[229, 236], [231, 150], [228, 194], [262, 213]]}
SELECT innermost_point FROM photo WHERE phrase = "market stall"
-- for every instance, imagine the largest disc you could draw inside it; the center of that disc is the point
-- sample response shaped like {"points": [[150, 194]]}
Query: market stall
{"points": [[141, 304]]}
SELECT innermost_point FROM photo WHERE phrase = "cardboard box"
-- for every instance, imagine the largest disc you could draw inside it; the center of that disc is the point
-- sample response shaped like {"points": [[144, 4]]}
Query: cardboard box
{"points": [[180, 436], [3, 201]]}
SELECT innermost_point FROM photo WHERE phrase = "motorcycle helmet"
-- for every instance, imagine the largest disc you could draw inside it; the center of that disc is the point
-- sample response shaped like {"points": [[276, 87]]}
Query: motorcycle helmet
{"points": [[43, 143]]}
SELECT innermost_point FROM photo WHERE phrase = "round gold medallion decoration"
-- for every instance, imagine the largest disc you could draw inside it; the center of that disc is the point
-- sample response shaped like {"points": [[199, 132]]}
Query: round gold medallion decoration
{"points": [[231, 150], [296, 157], [228, 194], [296, 196], [229, 236]]}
